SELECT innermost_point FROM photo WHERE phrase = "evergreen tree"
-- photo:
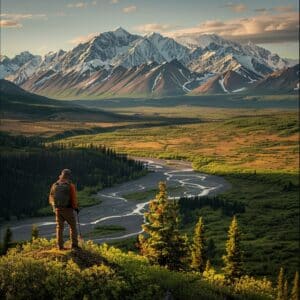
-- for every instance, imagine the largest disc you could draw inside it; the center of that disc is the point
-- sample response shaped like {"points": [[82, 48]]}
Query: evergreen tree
{"points": [[163, 243], [198, 247], [233, 258], [207, 266], [285, 291], [280, 285], [7, 240], [34, 232], [295, 289]]}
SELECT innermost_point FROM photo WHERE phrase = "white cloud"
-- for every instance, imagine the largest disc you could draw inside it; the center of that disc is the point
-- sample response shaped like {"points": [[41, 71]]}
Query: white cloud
{"points": [[83, 38], [77, 5], [114, 1], [14, 20], [10, 24], [23, 16], [154, 27], [129, 9], [240, 7], [263, 28]]}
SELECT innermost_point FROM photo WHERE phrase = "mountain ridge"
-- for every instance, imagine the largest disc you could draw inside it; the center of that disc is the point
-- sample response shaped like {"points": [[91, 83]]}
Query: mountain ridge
{"points": [[84, 69]]}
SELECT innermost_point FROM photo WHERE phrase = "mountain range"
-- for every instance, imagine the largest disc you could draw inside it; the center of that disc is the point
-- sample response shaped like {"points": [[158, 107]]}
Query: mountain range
{"points": [[118, 63]]}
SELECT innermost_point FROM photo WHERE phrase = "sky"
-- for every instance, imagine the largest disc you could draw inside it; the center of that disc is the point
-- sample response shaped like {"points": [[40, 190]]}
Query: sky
{"points": [[40, 26]]}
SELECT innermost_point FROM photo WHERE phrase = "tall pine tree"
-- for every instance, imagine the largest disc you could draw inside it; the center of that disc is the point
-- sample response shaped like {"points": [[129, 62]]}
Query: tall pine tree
{"points": [[198, 256], [233, 259], [295, 288], [163, 244], [280, 285], [285, 291]]}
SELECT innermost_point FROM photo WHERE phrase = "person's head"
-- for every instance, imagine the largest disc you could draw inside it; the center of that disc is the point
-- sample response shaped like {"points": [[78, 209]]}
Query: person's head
{"points": [[65, 174]]}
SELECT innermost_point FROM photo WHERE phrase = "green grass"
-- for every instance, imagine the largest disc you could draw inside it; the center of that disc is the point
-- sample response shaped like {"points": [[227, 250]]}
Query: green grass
{"points": [[38, 270], [149, 194], [103, 230]]}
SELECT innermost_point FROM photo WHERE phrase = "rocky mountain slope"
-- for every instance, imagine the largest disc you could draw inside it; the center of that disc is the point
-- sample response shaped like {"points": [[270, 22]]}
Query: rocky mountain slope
{"points": [[120, 63]]}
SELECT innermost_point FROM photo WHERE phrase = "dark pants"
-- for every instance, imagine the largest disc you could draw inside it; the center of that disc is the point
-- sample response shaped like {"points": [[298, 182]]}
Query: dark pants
{"points": [[62, 215]]}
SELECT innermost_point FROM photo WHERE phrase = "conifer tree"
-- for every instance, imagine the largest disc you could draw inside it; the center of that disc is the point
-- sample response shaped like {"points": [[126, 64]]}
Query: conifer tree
{"points": [[198, 248], [207, 265], [295, 288], [285, 291], [34, 232], [280, 285], [163, 243], [7, 240], [233, 258]]}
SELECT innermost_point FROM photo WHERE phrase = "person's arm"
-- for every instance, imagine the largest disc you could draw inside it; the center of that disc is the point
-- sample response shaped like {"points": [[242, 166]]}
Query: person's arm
{"points": [[73, 196], [51, 196]]}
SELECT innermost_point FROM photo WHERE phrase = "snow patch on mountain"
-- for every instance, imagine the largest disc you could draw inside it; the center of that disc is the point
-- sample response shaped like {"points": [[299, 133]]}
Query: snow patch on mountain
{"points": [[157, 78], [221, 82]]}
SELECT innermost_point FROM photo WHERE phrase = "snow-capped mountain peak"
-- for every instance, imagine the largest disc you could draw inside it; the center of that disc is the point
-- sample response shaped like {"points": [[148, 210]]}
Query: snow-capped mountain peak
{"points": [[120, 53]]}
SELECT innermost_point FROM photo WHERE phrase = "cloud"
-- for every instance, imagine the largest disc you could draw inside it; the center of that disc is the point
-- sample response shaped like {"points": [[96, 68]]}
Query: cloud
{"points": [[280, 9], [263, 28], [114, 1], [129, 9], [77, 5], [236, 7], [287, 8], [83, 38], [14, 20], [10, 24], [262, 10], [94, 3], [154, 27], [19, 17]]}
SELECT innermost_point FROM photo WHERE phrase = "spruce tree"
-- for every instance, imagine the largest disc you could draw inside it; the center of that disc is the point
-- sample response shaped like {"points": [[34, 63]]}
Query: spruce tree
{"points": [[198, 248], [233, 258], [34, 232], [207, 266], [280, 285], [7, 240], [285, 291], [163, 243], [295, 288]]}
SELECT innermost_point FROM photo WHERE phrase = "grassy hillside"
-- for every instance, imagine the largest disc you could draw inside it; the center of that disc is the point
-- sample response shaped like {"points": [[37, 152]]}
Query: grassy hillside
{"points": [[38, 271]]}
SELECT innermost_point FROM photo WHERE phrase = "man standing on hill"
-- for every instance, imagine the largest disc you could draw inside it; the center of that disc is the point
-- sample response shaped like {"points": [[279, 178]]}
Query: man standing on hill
{"points": [[63, 200]]}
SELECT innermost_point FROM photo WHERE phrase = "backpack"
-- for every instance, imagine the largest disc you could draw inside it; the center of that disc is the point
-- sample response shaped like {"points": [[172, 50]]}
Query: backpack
{"points": [[61, 194]]}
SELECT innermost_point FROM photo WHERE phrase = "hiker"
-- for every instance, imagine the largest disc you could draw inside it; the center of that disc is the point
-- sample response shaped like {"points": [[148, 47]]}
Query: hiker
{"points": [[63, 200]]}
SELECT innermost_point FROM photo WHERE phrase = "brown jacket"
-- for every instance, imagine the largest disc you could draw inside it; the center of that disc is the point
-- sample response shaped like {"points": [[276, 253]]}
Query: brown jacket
{"points": [[73, 195]]}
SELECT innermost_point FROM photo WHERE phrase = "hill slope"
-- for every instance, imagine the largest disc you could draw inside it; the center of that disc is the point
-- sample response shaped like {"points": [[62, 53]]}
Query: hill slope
{"points": [[227, 82], [15, 101], [39, 271], [286, 80]]}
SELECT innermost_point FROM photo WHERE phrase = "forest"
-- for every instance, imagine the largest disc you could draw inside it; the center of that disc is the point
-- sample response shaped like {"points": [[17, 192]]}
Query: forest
{"points": [[29, 167]]}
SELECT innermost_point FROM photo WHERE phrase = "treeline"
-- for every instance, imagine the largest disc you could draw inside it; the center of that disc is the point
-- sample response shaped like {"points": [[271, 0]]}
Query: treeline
{"points": [[189, 205], [26, 176]]}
